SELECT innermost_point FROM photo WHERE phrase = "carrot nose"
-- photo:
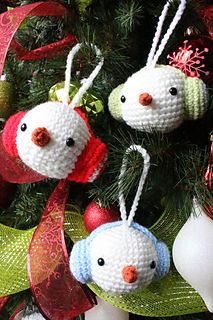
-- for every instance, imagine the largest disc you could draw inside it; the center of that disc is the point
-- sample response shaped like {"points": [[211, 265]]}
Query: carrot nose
{"points": [[145, 99], [129, 274], [40, 137]]}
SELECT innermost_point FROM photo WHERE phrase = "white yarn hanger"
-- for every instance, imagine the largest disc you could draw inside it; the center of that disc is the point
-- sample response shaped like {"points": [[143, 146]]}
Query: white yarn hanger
{"points": [[154, 55], [87, 83], [146, 166]]}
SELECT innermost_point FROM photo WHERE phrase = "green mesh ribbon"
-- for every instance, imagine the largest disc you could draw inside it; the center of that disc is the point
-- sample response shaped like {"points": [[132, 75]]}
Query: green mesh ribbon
{"points": [[13, 259], [171, 296]]}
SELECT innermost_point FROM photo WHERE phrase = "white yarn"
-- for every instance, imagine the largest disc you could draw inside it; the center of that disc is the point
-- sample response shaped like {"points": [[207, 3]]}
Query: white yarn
{"points": [[146, 165], [157, 34], [56, 159], [152, 59], [166, 111], [119, 249], [88, 82]]}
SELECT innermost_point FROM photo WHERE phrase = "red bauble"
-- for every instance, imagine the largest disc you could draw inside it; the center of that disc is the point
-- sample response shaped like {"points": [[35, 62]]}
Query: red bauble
{"points": [[7, 191], [95, 215], [193, 57], [206, 14]]}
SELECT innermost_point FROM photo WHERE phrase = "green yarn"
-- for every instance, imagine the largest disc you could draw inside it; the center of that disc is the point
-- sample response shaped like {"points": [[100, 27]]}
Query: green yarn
{"points": [[114, 103], [196, 98]]}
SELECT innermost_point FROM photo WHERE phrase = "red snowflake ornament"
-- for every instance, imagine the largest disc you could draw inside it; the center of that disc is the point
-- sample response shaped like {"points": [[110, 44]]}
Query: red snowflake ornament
{"points": [[193, 57], [189, 61]]}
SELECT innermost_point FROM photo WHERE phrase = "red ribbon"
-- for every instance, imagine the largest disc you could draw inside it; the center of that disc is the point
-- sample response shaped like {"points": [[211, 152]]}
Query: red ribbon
{"points": [[209, 178], [3, 301], [11, 20], [18, 310], [12, 169], [58, 294], [207, 16]]}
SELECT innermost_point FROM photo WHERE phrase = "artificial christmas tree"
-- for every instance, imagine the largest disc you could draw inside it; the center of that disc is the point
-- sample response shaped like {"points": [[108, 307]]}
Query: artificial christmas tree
{"points": [[36, 38]]}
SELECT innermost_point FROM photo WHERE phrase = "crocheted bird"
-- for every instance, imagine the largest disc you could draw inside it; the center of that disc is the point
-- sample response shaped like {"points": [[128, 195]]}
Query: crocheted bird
{"points": [[56, 142], [159, 97], [121, 256]]}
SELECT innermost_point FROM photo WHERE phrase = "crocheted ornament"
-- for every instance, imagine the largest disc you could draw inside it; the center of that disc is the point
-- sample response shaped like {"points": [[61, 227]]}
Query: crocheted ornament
{"points": [[159, 97], [121, 256], [55, 140], [192, 253]]}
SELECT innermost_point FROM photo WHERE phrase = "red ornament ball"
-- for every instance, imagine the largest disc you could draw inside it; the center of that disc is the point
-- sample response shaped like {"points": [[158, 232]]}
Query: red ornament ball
{"points": [[95, 215], [193, 57]]}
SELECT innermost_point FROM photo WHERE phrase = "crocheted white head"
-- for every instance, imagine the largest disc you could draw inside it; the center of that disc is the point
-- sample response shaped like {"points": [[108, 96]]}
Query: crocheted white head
{"points": [[121, 256], [159, 97], [53, 138]]}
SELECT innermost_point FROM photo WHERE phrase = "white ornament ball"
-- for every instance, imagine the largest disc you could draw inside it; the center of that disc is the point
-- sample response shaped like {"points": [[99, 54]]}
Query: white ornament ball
{"points": [[33, 316], [105, 311], [193, 254], [66, 136]]}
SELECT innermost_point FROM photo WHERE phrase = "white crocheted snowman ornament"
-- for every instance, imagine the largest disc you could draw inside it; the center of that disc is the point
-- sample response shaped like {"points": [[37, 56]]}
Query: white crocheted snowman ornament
{"points": [[159, 97], [49, 134], [54, 139], [121, 256]]}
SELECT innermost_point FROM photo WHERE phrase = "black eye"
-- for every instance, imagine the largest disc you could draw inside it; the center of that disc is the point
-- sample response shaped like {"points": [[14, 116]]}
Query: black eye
{"points": [[153, 265], [101, 261], [70, 142], [23, 127], [123, 99], [173, 91], [2, 123]]}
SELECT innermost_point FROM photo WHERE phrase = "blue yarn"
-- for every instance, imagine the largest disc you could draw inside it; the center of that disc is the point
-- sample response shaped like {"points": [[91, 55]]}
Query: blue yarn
{"points": [[80, 262]]}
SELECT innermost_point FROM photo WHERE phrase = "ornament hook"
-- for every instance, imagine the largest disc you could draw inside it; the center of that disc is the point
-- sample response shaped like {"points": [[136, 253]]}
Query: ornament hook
{"points": [[154, 52], [88, 82], [146, 166]]}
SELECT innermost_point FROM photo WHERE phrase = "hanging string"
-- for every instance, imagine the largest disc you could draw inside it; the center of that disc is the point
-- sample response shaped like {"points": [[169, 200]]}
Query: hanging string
{"points": [[153, 57], [146, 165], [87, 83], [157, 34]]}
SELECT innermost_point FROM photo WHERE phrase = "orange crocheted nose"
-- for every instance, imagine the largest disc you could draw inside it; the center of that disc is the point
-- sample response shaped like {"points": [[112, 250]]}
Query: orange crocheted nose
{"points": [[129, 274], [40, 137], [145, 99]]}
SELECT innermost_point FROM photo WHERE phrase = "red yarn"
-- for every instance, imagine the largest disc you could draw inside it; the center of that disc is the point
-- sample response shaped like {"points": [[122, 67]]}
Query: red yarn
{"points": [[10, 132], [90, 159]]}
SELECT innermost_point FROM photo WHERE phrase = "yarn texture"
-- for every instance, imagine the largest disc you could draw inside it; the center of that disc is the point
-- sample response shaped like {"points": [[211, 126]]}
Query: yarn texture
{"points": [[55, 159], [122, 256], [120, 247], [159, 97]]}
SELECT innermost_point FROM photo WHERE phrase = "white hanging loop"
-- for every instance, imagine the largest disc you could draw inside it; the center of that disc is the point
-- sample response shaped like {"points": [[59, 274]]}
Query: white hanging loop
{"points": [[146, 166], [87, 83], [154, 55]]}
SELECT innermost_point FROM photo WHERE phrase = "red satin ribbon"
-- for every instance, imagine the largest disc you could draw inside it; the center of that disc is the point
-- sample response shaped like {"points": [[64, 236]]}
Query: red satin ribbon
{"points": [[48, 51], [207, 16], [11, 20], [209, 178], [18, 310], [3, 301], [58, 295], [13, 170]]}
